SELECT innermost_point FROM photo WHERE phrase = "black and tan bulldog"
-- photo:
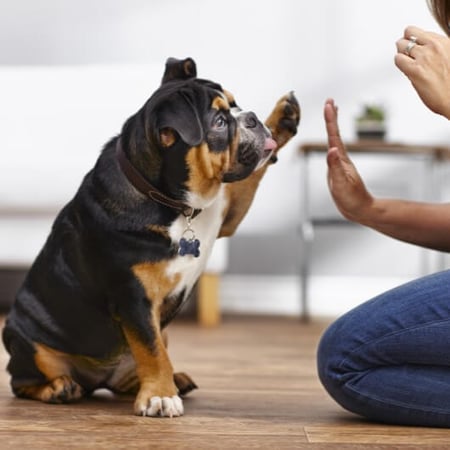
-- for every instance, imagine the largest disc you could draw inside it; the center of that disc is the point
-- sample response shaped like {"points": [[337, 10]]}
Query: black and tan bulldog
{"points": [[126, 251]]}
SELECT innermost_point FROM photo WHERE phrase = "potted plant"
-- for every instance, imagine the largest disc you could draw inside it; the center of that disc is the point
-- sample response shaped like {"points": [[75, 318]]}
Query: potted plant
{"points": [[371, 123]]}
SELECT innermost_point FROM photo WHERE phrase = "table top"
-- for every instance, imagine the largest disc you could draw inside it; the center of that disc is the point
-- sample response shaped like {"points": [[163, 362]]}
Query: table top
{"points": [[380, 146]]}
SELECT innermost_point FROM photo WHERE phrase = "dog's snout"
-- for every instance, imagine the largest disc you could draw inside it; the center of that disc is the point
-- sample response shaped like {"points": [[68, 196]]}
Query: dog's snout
{"points": [[250, 120]]}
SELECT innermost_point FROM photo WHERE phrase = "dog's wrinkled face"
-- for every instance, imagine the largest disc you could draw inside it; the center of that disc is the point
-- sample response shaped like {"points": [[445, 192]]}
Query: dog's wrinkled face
{"points": [[255, 145], [196, 137]]}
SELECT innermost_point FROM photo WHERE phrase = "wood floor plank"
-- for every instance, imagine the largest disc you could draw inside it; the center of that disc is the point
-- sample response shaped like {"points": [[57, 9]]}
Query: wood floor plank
{"points": [[377, 434]]}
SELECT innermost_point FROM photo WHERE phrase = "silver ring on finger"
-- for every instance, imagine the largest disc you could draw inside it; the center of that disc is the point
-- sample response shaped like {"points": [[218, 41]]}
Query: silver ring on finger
{"points": [[410, 46]]}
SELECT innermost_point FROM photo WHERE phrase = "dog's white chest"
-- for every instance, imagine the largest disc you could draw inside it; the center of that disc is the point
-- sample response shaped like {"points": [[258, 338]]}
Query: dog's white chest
{"points": [[205, 227]]}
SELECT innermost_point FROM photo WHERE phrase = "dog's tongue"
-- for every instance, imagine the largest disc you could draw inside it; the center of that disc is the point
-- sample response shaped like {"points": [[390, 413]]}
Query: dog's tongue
{"points": [[270, 144]]}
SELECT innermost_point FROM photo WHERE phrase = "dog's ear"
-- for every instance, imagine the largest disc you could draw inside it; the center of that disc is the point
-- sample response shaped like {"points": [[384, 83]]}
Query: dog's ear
{"points": [[179, 69], [178, 113]]}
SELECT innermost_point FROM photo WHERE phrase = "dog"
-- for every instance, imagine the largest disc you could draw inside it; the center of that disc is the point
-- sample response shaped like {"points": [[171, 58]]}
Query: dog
{"points": [[124, 254]]}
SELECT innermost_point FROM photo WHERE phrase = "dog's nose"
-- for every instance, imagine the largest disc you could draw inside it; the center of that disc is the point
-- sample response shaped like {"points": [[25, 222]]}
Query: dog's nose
{"points": [[250, 120]]}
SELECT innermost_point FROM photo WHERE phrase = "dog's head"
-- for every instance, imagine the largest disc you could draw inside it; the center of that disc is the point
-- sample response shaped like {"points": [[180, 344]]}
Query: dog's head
{"points": [[191, 136]]}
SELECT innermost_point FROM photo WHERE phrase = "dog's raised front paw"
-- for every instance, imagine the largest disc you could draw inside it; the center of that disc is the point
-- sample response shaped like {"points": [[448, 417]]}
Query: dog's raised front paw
{"points": [[159, 407], [284, 119]]}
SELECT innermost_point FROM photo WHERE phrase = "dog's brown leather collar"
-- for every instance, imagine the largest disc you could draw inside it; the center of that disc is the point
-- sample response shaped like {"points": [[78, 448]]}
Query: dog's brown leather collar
{"points": [[143, 186]]}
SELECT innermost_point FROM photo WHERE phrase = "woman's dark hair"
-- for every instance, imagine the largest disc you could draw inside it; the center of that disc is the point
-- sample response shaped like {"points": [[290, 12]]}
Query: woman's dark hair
{"points": [[441, 12]]}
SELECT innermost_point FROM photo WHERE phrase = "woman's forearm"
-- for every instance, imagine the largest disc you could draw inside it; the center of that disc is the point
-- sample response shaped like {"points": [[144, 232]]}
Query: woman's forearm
{"points": [[423, 224]]}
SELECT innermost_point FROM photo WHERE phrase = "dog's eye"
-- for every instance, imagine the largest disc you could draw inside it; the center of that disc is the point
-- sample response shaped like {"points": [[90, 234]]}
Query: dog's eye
{"points": [[220, 122]]}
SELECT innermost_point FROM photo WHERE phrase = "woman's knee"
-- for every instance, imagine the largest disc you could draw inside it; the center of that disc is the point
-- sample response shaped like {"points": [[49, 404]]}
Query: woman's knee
{"points": [[337, 363], [329, 358]]}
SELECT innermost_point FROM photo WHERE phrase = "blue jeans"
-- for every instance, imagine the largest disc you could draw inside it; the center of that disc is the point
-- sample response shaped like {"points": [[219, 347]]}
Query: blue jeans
{"points": [[389, 359]]}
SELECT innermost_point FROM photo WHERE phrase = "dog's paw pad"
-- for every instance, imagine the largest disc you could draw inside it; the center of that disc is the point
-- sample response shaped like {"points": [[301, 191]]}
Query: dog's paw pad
{"points": [[288, 110], [291, 113], [162, 407], [284, 119]]}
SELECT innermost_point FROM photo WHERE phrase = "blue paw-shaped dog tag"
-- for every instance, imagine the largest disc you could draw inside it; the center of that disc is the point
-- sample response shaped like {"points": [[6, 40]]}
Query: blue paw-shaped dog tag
{"points": [[189, 247]]}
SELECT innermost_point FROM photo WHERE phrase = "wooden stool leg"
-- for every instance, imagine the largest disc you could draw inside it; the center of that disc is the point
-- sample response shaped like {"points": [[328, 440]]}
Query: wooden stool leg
{"points": [[208, 308]]}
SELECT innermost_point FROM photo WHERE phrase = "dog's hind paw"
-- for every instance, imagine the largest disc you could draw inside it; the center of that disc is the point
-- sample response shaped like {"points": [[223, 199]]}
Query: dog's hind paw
{"points": [[184, 383], [160, 407], [60, 390], [63, 390]]}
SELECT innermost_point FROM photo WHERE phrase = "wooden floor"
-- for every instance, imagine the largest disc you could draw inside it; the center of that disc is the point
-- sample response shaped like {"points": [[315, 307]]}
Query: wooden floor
{"points": [[258, 389]]}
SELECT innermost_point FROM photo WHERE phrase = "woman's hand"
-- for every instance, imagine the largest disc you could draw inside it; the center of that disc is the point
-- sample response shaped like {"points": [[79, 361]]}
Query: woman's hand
{"points": [[427, 65], [345, 184], [424, 224]]}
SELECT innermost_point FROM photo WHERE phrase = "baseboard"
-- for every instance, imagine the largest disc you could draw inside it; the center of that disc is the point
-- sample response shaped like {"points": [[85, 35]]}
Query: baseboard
{"points": [[281, 295]]}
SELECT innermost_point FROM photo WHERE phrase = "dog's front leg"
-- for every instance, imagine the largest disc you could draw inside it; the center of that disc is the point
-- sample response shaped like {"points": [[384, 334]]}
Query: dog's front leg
{"points": [[141, 326], [157, 394]]}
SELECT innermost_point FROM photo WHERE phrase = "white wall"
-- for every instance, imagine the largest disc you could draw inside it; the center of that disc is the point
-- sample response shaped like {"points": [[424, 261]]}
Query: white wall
{"points": [[258, 49]]}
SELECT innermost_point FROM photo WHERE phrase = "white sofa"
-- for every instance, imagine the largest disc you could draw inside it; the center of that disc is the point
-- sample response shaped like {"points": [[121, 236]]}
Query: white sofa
{"points": [[54, 122]]}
